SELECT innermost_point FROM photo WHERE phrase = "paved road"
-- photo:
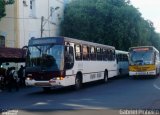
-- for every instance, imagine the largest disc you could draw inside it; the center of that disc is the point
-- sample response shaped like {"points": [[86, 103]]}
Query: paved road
{"points": [[121, 93]]}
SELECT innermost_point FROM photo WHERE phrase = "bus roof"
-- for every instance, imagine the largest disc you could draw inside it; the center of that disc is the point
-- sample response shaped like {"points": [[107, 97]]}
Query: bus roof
{"points": [[121, 52], [61, 40], [87, 43]]}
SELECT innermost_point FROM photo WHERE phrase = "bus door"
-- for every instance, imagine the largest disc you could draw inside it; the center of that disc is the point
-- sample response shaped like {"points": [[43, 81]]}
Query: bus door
{"points": [[69, 57]]}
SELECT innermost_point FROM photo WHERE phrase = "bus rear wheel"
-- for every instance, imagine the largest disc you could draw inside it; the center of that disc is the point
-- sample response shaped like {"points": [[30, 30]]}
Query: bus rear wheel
{"points": [[105, 77], [78, 82]]}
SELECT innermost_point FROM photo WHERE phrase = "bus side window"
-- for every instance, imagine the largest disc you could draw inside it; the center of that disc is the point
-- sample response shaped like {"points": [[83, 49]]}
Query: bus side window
{"points": [[155, 57], [104, 54], [99, 53], [69, 57], [85, 52], [110, 55], [117, 57], [126, 57], [120, 57], [92, 53], [78, 53], [113, 55]]}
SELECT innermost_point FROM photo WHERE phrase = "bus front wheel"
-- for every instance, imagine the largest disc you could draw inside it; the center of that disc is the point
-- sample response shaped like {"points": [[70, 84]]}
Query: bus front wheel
{"points": [[78, 82], [46, 89], [105, 77]]}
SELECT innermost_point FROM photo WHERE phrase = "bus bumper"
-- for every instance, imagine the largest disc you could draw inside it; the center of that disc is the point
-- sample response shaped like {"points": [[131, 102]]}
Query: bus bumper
{"points": [[131, 73], [53, 83]]}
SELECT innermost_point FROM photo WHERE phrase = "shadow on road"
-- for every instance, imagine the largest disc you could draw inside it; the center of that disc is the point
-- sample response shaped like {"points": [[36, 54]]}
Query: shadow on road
{"points": [[117, 93], [70, 89], [70, 112]]}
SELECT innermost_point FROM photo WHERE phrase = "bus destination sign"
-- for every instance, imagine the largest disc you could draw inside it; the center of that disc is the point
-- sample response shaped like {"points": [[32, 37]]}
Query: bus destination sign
{"points": [[49, 40], [141, 49]]}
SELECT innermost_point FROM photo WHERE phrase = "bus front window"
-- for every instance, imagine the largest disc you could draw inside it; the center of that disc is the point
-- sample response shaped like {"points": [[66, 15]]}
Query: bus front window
{"points": [[142, 57], [50, 57]]}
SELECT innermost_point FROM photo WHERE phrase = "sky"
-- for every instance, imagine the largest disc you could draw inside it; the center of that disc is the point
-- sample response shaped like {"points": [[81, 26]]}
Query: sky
{"points": [[150, 10]]}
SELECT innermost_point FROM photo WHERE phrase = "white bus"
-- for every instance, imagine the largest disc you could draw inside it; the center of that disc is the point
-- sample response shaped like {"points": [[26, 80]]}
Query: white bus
{"points": [[62, 61], [122, 61]]}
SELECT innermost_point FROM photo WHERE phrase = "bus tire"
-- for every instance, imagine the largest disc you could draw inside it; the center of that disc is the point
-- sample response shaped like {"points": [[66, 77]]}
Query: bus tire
{"points": [[156, 73], [105, 77], [78, 82], [120, 71], [46, 89]]}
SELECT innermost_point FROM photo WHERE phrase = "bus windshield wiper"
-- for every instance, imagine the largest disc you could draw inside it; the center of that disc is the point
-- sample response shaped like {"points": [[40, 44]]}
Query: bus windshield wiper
{"points": [[40, 50], [50, 46], [138, 61]]}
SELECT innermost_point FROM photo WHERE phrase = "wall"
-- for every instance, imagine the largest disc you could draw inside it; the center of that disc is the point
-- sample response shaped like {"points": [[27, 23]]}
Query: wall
{"points": [[19, 25]]}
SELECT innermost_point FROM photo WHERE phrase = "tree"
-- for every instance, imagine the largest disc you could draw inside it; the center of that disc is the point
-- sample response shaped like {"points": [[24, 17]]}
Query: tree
{"points": [[111, 22], [3, 3]]}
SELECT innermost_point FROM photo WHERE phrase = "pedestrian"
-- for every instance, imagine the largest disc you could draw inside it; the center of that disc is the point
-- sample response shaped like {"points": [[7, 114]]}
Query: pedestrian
{"points": [[8, 79], [21, 75], [2, 78], [13, 80]]}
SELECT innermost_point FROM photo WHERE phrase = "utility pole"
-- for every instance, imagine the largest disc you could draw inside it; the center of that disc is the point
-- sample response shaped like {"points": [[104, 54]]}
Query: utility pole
{"points": [[42, 20]]}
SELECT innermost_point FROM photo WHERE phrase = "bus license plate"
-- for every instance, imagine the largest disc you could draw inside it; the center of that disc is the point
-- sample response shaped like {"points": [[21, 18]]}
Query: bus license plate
{"points": [[141, 73]]}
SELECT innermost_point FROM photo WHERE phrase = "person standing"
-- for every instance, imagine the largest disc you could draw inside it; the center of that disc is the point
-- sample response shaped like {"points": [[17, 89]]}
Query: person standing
{"points": [[9, 79], [21, 75], [13, 80]]}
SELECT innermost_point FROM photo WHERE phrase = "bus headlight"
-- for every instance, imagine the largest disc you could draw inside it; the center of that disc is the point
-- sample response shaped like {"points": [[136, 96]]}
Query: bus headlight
{"points": [[28, 78], [58, 78]]}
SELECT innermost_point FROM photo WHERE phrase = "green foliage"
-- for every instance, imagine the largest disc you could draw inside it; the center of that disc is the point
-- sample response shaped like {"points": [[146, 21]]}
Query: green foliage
{"points": [[111, 22], [3, 3]]}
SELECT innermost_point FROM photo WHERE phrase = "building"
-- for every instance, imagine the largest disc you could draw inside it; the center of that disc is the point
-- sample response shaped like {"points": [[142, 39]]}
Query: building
{"points": [[30, 18]]}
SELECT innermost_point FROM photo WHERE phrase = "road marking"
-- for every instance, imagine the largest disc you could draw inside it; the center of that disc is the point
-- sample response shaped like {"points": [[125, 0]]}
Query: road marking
{"points": [[79, 106], [156, 83], [156, 86]]}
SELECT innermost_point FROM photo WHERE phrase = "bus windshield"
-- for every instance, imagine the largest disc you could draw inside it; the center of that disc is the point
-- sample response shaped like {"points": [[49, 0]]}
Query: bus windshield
{"points": [[141, 57], [50, 57]]}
